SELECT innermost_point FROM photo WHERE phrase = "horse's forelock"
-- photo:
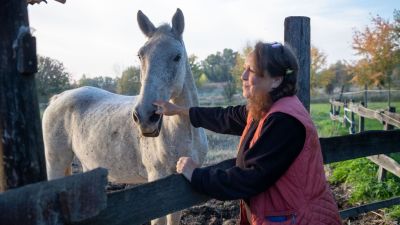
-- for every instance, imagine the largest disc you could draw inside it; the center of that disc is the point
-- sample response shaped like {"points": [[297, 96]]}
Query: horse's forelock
{"points": [[166, 29]]}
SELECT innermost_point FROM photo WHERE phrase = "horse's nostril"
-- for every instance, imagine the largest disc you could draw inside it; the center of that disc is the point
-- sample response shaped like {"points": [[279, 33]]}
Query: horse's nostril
{"points": [[135, 117], [154, 117]]}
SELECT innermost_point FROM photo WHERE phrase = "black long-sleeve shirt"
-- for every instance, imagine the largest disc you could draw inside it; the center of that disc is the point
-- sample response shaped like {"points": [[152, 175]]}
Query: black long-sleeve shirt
{"points": [[256, 168]]}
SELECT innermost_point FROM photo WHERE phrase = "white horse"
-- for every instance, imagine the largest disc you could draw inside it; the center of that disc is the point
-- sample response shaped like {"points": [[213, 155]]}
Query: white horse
{"points": [[97, 126]]}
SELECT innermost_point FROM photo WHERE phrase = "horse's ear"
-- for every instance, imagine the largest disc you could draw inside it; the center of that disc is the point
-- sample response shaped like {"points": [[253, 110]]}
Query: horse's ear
{"points": [[178, 22], [145, 24]]}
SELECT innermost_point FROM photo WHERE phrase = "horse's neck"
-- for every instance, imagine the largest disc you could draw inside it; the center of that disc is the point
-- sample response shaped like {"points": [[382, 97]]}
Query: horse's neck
{"points": [[187, 132], [188, 96]]}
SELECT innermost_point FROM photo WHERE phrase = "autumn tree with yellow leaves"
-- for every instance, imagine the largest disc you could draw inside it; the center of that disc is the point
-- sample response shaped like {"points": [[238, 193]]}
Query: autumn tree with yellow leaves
{"points": [[378, 45]]}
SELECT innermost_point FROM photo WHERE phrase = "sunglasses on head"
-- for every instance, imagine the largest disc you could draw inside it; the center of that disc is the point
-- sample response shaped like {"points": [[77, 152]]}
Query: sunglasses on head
{"points": [[274, 44]]}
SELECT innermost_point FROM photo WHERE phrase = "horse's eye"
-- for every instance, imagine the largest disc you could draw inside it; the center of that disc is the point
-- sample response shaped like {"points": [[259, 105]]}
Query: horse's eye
{"points": [[177, 58], [139, 56]]}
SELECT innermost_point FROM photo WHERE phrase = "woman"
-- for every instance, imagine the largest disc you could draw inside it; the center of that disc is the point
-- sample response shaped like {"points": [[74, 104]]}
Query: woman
{"points": [[278, 172]]}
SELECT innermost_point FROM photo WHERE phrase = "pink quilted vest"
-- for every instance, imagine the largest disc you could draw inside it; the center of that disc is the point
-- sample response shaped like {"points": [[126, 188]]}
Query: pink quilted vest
{"points": [[301, 195]]}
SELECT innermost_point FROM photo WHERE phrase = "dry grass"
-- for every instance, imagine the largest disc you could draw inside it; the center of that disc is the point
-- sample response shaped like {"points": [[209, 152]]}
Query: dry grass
{"points": [[220, 147]]}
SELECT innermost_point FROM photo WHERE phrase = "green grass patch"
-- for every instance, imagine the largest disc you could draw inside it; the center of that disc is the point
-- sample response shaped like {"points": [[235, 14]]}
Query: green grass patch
{"points": [[360, 174]]}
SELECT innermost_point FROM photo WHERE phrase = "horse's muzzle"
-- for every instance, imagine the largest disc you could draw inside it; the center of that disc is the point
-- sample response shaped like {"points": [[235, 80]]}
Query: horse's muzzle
{"points": [[149, 127], [156, 131]]}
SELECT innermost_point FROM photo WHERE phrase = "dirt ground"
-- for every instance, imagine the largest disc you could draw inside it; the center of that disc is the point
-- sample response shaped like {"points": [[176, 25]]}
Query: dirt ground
{"points": [[216, 212]]}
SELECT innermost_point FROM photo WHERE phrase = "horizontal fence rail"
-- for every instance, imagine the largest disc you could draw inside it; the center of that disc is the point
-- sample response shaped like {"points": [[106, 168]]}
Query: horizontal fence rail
{"points": [[351, 212], [352, 146], [56, 202], [140, 204], [381, 115]]}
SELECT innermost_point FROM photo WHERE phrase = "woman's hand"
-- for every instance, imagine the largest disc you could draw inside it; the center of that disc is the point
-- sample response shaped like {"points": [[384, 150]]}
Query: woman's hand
{"points": [[185, 166], [170, 109]]}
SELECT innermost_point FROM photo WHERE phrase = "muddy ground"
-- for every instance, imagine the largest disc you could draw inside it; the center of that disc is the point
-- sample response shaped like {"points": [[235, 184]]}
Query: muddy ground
{"points": [[216, 212]]}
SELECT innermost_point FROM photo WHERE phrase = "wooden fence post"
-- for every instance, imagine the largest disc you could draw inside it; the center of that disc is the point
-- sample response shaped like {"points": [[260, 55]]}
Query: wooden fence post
{"points": [[361, 124], [389, 126], [381, 174], [345, 113], [297, 35], [366, 95], [381, 171], [353, 124], [21, 142]]}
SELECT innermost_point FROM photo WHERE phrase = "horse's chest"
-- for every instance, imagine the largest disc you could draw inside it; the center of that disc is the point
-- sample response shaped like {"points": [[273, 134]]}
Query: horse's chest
{"points": [[163, 152]]}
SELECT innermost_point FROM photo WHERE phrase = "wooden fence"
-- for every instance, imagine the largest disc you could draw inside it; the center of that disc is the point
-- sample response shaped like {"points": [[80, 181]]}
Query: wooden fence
{"points": [[81, 199], [387, 117], [140, 204], [143, 203]]}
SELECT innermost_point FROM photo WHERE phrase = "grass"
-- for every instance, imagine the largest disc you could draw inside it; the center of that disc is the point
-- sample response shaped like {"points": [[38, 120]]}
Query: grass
{"points": [[221, 147]]}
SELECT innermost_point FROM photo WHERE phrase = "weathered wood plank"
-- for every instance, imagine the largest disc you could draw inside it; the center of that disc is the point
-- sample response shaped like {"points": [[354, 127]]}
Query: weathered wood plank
{"points": [[21, 151], [335, 149], [336, 117], [362, 111], [387, 163], [383, 116], [57, 202], [297, 35], [395, 116], [391, 119], [149, 201], [336, 103], [369, 207]]}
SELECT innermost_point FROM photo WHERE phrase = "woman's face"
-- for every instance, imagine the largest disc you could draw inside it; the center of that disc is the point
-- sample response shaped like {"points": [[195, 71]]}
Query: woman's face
{"points": [[254, 84]]}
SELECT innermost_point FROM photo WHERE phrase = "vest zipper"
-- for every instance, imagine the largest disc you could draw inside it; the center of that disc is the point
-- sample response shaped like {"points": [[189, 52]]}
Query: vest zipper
{"points": [[294, 218]]}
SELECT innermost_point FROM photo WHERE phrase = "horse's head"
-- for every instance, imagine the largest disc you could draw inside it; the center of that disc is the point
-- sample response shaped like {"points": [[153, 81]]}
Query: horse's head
{"points": [[164, 64]]}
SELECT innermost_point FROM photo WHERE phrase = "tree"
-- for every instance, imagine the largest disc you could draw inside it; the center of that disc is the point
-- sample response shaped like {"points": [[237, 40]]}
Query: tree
{"points": [[106, 83], [109, 84], [202, 80], [318, 62], [229, 89], [378, 44], [218, 66], [51, 78], [196, 70], [238, 69], [337, 75], [129, 83], [396, 28]]}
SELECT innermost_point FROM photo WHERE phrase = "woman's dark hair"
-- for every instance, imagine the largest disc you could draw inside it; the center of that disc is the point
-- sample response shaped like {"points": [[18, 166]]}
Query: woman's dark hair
{"points": [[278, 60]]}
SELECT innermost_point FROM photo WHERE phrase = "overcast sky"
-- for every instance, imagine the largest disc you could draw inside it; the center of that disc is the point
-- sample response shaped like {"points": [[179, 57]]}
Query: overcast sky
{"points": [[101, 38]]}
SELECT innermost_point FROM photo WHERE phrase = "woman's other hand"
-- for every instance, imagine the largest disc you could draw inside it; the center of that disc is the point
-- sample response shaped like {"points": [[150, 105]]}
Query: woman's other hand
{"points": [[186, 166]]}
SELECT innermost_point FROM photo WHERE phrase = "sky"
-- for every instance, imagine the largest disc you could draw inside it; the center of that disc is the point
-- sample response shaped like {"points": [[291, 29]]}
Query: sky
{"points": [[101, 38]]}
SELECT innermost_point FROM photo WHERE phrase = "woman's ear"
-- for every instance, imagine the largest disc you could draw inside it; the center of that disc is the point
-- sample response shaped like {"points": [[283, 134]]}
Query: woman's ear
{"points": [[276, 81]]}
